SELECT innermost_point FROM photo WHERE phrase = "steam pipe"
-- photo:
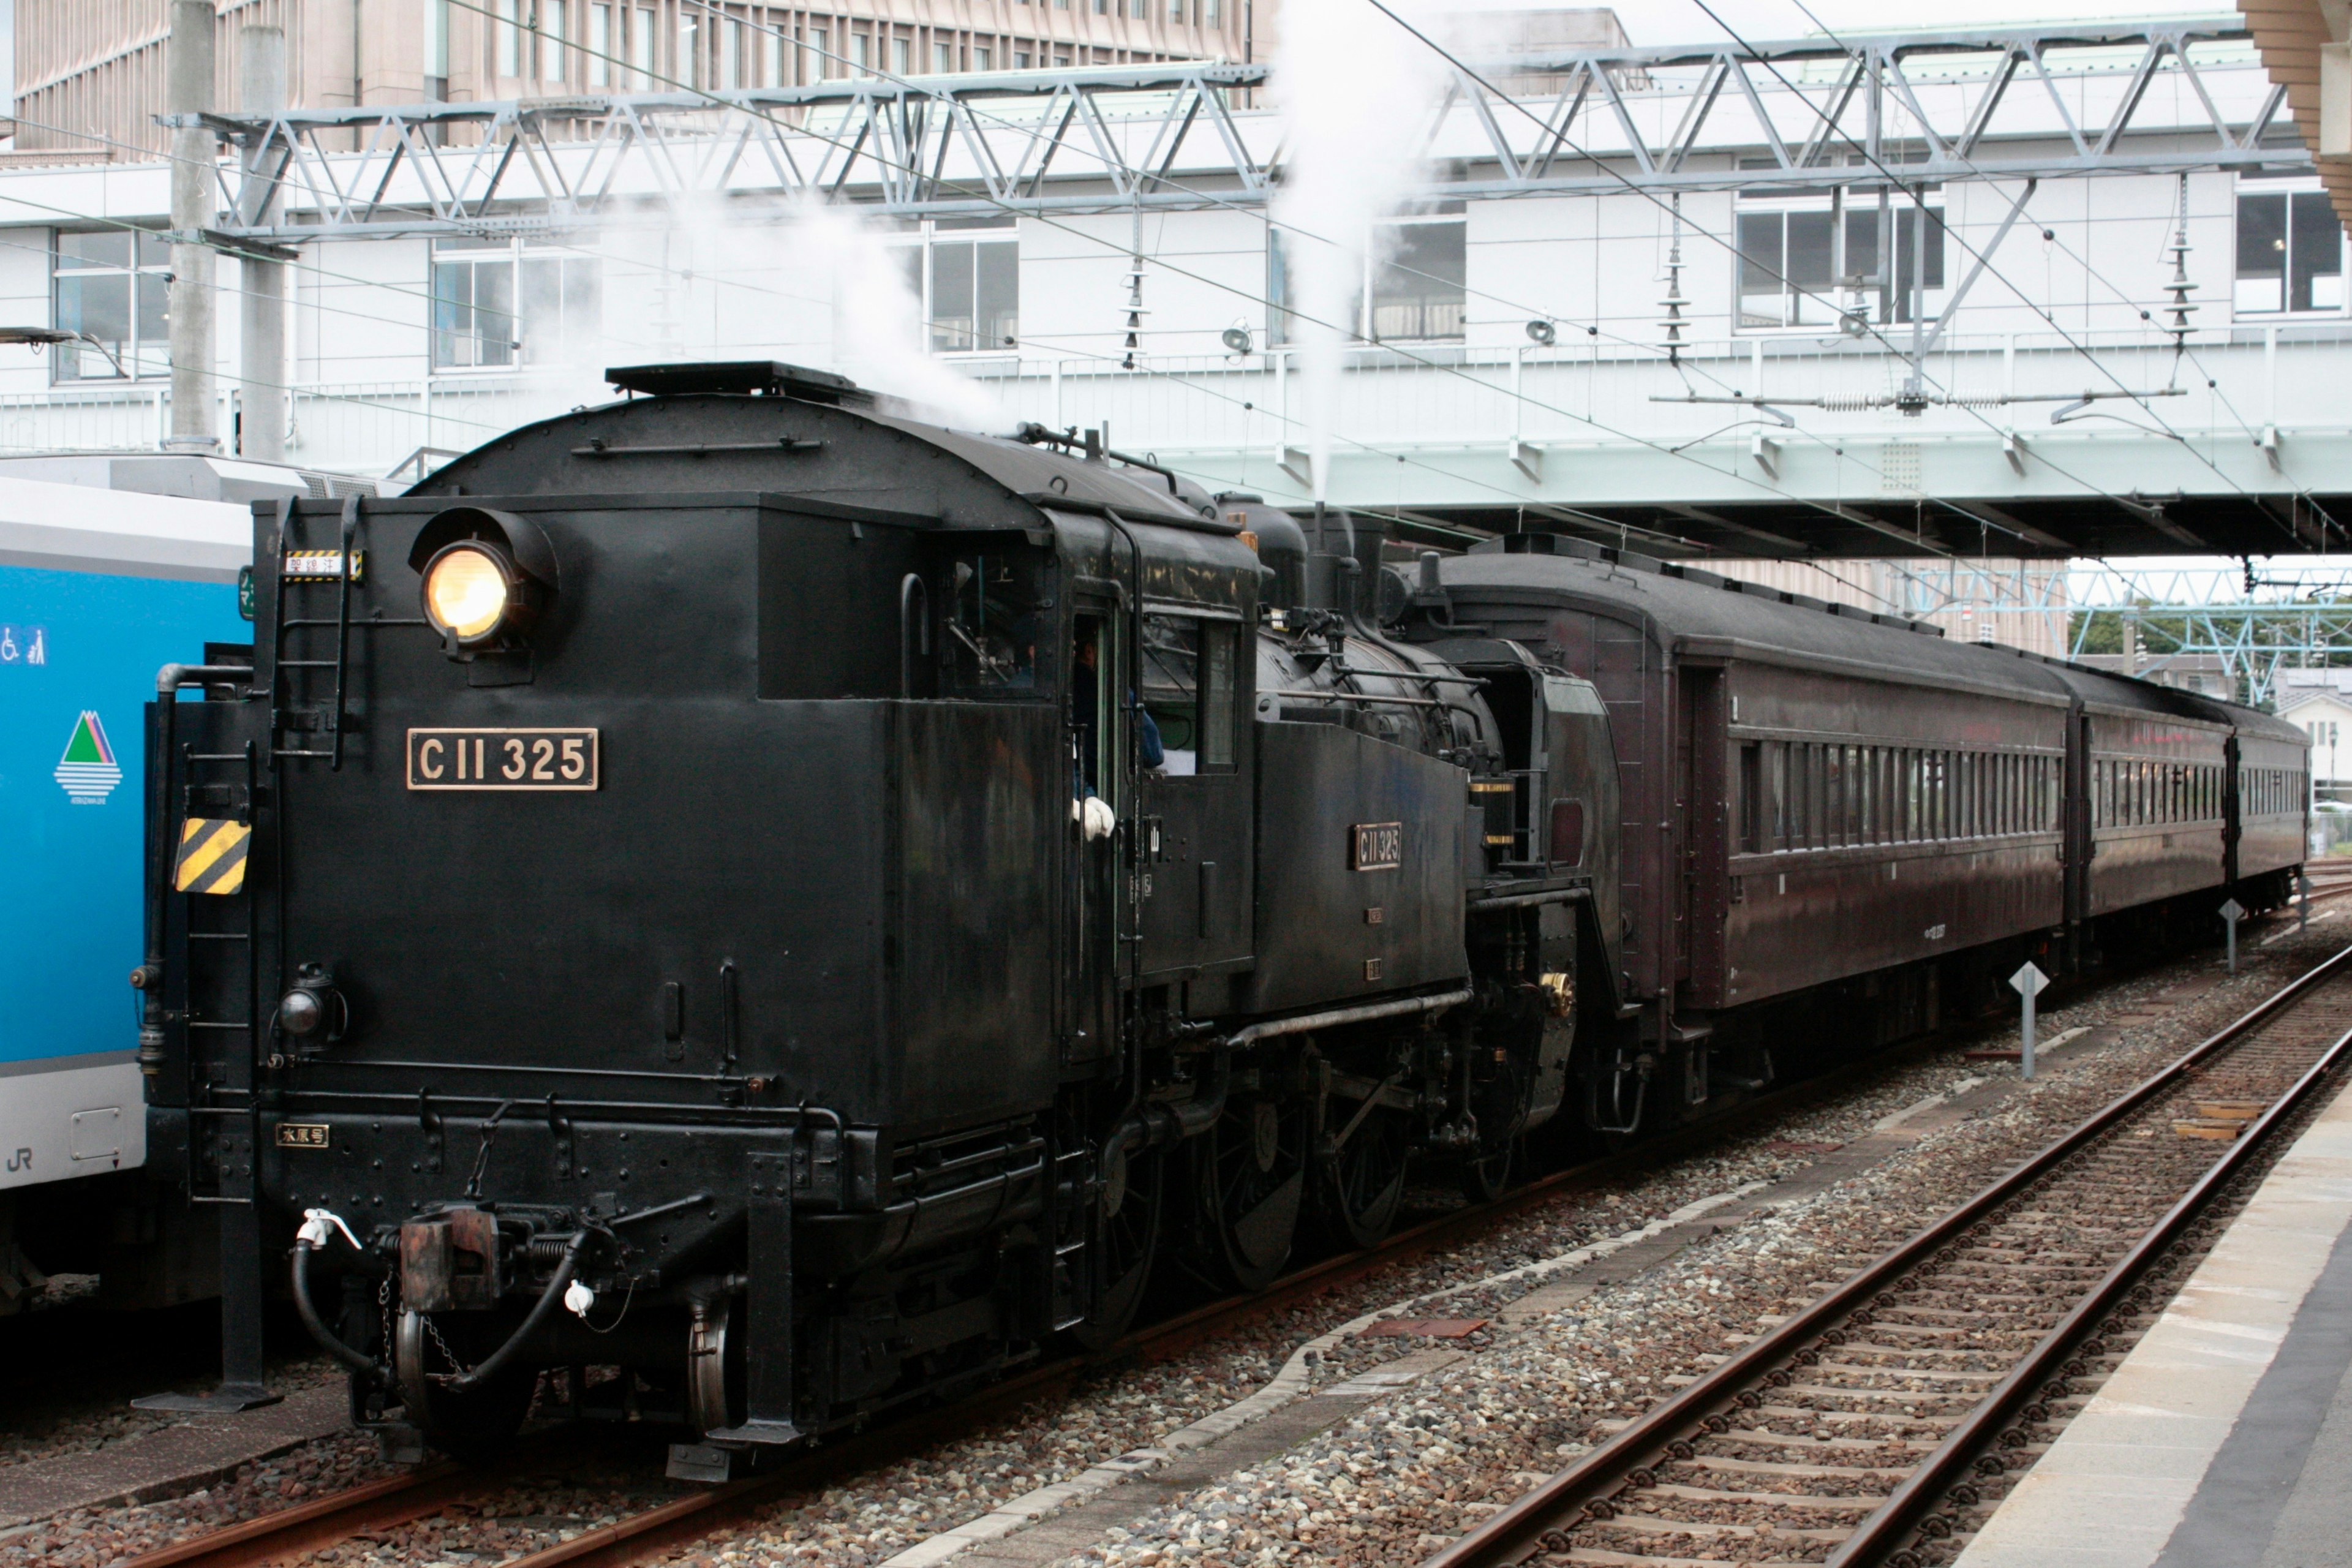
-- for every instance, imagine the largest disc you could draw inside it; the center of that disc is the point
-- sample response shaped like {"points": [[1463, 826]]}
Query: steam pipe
{"points": [[1331, 1018], [1038, 436], [317, 1325], [1158, 1126]]}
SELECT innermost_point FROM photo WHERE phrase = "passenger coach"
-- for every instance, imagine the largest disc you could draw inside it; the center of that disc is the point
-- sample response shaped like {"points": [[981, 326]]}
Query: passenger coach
{"points": [[1844, 815]]}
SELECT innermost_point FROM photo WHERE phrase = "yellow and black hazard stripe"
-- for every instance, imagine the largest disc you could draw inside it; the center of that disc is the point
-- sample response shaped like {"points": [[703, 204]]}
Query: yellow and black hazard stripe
{"points": [[212, 856]]}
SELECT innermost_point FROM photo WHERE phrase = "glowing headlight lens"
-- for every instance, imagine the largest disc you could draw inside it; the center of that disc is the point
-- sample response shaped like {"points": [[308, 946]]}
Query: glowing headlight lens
{"points": [[465, 593]]}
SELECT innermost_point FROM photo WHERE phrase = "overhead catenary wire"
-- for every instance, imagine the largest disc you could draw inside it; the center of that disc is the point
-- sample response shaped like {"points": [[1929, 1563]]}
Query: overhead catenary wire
{"points": [[1870, 328], [1747, 480], [1830, 508], [1255, 211], [1983, 260]]}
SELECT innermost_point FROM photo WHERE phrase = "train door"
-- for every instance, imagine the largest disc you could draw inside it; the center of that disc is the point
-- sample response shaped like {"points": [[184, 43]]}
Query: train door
{"points": [[1097, 725], [1194, 849]]}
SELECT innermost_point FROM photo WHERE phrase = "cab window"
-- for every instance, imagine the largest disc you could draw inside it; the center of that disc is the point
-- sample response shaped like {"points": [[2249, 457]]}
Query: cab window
{"points": [[1187, 686], [995, 618]]}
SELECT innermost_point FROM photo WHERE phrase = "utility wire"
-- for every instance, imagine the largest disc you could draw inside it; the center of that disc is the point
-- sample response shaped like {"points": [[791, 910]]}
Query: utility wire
{"points": [[1832, 510], [1920, 198], [1258, 213]]}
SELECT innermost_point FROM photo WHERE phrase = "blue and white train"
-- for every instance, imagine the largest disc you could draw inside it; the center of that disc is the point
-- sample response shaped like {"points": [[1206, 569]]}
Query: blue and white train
{"points": [[99, 587]]}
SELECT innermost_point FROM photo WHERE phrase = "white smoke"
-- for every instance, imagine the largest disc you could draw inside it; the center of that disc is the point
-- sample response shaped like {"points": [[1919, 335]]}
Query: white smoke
{"points": [[878, 318], [1357, 93], [818, 287]]}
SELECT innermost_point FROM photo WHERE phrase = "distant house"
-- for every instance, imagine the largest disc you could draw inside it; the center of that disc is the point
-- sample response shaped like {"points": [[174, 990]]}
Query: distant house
{"points": [[2319, 702]]}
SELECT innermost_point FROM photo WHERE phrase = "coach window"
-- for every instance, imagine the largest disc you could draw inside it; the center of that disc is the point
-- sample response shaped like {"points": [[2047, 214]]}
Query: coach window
{"points": [[1752, 796]]}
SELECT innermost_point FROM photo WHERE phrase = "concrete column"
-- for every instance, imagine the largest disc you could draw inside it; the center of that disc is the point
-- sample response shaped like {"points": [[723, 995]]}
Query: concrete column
{"points": [[261, 349], [188, 90]]}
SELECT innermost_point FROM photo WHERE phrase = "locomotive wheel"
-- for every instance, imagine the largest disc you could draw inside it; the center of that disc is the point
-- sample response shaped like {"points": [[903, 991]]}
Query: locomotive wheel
{"points": [[1363, 1183], [1250, 1175], [1488, 1177], [475, 1426], [1129, 1236]]}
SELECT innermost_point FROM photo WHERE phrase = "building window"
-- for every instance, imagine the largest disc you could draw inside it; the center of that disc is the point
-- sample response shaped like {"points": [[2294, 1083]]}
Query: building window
{"points": [[1806, 261], [861, 61], [2290, 252], [600, 46], [436, 49], [112, 286], [982, 58], [550, 39], [965, 275], [641, 50], [1413, 287], [686, 66], [902, 57], [497, 304], [509, 40], [1419, 280], [731, 54], [942, 59], [771, 59], [1211, 13], [1021, 59]]}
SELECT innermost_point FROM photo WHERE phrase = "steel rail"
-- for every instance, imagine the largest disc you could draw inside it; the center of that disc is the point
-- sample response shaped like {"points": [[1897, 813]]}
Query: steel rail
{"points": [[309, 1526], [1908, 1506], [1701, 1406], [306, 1527]]}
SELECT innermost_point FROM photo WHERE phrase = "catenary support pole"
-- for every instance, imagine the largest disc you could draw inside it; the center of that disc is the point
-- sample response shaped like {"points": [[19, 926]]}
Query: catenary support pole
{"points": [[188, 90], [261, 347]]}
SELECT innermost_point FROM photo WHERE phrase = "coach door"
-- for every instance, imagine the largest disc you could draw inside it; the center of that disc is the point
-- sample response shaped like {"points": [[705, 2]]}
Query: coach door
{"points": [[1096, 733]]}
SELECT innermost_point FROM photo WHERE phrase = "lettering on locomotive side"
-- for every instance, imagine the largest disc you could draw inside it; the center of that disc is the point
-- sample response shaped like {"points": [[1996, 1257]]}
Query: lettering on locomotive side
{"points": [[302, 1135], [551, 759], [1377, 846]]}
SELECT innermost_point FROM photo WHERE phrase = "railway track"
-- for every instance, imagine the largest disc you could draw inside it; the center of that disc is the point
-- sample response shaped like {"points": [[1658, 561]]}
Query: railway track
{"points": [[1881, 1424], [385, 1505]]}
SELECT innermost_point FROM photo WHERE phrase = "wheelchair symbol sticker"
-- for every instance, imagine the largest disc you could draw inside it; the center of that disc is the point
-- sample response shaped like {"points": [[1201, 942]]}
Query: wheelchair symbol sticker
{"points": [[23, 645]]}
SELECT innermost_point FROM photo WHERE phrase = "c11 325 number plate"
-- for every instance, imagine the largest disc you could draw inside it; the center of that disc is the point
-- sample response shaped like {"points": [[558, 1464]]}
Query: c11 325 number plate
{"points": [[503, 759]]}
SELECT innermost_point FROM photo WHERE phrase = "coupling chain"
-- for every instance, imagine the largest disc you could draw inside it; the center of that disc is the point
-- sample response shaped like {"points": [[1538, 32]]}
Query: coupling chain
{"points": [[458, 1368]]}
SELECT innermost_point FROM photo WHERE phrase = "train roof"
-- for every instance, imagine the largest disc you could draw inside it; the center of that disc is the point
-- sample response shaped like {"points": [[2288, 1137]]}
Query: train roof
{"points": [[770, 428], [1688, 604], [78, 528]]}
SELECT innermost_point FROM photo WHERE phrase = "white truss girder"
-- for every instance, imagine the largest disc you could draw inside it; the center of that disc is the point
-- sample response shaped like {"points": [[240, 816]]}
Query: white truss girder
{"points": [[2019, 103]]}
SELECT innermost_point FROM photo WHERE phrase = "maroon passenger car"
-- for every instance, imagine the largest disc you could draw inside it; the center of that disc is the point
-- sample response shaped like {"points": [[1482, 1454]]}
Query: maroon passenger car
{"points": [[1838, 827]]}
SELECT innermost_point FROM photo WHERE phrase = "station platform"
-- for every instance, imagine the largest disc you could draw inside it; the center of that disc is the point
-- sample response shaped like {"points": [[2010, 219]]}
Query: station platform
{"points": [[2224, 1439]]}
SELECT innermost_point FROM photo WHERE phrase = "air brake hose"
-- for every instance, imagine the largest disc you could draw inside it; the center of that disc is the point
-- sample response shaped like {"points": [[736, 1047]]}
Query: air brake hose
{"points": [[546, 1304], [314, 1234]]}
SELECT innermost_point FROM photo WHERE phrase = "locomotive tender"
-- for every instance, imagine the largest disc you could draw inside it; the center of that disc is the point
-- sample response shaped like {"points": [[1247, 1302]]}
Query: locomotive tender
{"points": [[806, 906]]}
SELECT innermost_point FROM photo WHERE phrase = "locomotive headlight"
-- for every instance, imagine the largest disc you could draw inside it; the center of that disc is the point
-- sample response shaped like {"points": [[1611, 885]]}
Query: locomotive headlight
{"points": [[468, 591]]}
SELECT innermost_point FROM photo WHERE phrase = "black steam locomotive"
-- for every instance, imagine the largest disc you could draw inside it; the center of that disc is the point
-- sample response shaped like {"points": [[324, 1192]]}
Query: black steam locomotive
{"points": [[808, 907]]}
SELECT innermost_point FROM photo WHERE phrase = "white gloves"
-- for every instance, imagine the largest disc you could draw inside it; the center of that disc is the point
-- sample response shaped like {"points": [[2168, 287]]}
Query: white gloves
{"points": [[1094, 815]]}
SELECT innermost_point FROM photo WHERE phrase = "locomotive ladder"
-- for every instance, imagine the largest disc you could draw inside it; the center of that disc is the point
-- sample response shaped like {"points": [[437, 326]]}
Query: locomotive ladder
{"points": [[214, 1094]]}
